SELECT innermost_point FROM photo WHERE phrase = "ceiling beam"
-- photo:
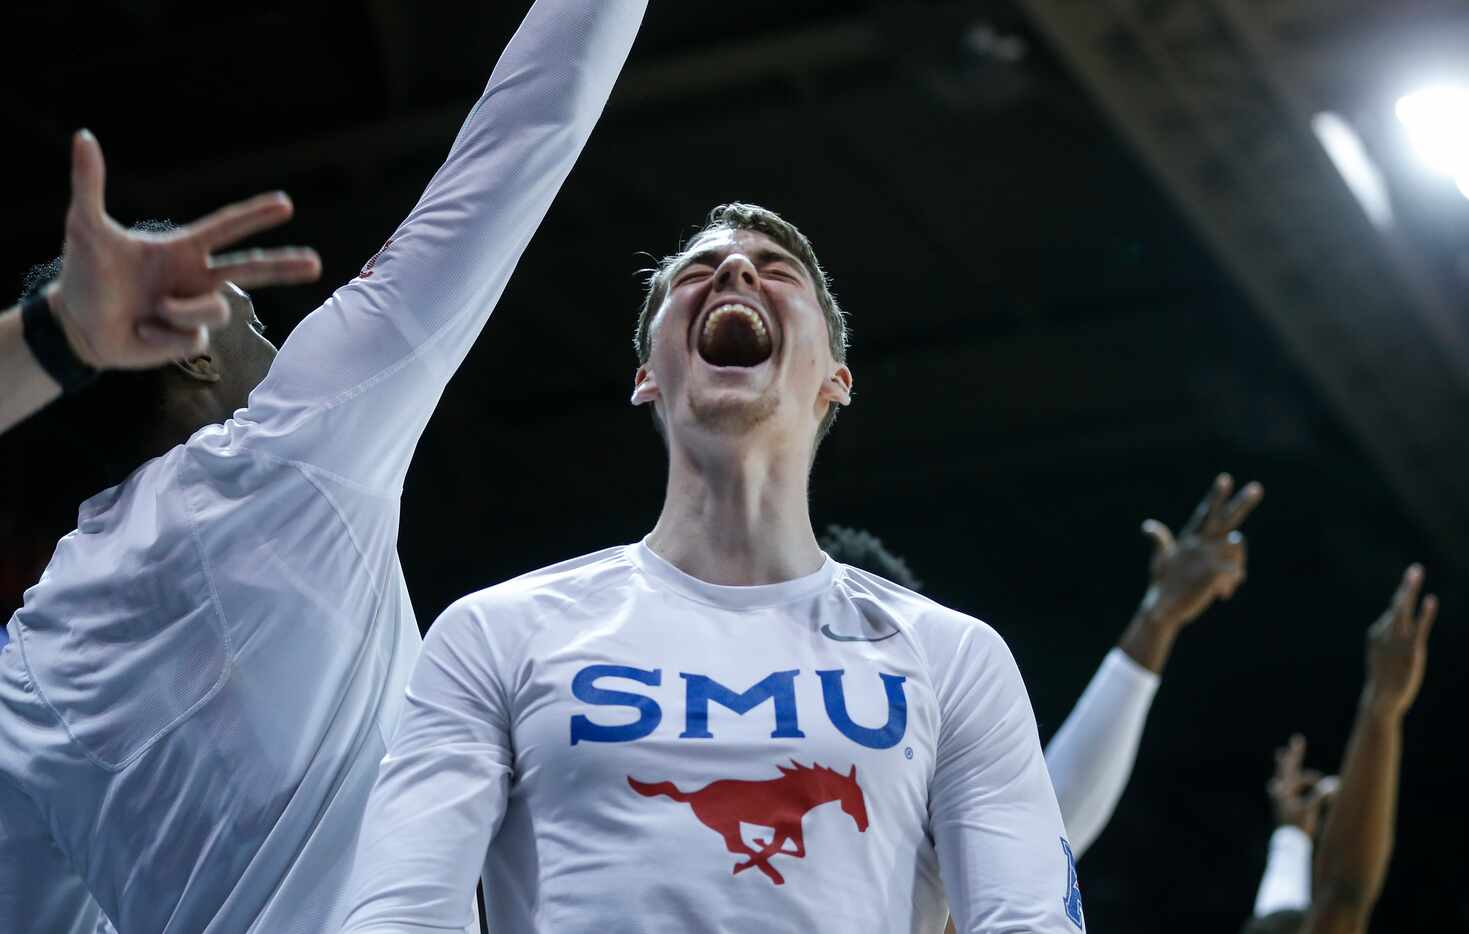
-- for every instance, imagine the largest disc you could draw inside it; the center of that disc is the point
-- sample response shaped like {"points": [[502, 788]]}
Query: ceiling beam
{"points": [[1196, 88]]}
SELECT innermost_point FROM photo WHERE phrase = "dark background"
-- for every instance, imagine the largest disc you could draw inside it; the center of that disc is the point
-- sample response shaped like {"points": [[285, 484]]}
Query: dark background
{"points": [[1055, 334]]}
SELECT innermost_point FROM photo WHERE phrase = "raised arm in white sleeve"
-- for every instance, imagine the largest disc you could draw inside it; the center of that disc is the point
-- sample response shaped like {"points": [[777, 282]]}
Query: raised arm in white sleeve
{"points": [[441, 791], [354, 386], [1002, 849], [1091, 757]]}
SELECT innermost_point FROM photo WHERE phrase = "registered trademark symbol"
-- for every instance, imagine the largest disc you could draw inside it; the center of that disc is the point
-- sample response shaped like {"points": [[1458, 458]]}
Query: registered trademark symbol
{"points": [[907, 752]]}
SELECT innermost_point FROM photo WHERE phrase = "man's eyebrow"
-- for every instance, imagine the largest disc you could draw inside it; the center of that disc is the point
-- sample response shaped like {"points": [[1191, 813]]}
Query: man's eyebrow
{"points": [[709, 257], [762, 257], [768, 255]]}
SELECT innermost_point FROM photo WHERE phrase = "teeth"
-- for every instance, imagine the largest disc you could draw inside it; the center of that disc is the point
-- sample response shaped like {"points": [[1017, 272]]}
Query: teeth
{"points": [[744, 311]]}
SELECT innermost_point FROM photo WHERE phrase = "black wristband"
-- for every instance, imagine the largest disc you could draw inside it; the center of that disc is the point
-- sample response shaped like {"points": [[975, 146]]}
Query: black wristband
{"points": [[48, 343]]}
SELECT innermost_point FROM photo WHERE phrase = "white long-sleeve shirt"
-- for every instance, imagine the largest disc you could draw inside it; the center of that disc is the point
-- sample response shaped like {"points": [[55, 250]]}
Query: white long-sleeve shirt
{"points": [[1091, 756], [1286, 883], [619, 747], [197, 693]]}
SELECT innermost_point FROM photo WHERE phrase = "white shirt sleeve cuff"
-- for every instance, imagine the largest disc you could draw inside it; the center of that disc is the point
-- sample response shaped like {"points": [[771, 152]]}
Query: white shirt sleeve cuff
{"points": [[1119, 666], [1287, 880]]}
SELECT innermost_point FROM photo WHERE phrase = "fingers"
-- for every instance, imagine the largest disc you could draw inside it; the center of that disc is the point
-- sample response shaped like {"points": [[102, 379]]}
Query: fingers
{"points": [[1228, 565], [170, 343], [1209, 507], [210, 310], [1408, 616], [1295, 752], [1160, 534], [1426, 616], [251, 269], [1239, 508], [241, 219], [88, 174], [1406, 597], [1230, 554], [1288, 760]]}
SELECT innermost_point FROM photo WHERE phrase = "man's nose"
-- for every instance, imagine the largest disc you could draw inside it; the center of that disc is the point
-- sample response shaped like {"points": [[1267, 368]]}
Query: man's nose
{"points": [[736, 272]]}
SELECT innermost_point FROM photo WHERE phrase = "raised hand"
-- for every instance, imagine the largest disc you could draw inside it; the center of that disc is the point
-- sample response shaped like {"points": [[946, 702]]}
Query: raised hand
{"points": [[1397, 647], [131, 300], [1356, 843], [1206, 561], [1298, 795]]}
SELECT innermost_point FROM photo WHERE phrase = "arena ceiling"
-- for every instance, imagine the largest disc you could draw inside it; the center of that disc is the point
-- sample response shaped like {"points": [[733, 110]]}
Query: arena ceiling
{"points": [[1092, 252]]}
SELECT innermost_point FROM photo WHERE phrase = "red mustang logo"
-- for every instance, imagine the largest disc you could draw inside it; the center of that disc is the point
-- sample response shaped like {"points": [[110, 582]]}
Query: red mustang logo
{"points": [[779, 803]]}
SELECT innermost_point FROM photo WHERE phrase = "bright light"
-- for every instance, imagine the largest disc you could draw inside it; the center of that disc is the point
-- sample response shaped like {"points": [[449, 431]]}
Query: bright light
{"points": [[1437, 120], [1357, 169]]}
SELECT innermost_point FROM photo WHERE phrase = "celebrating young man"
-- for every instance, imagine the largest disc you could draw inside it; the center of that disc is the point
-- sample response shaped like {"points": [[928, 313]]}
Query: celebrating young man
{"points": [[718, 728], [199, 689]]}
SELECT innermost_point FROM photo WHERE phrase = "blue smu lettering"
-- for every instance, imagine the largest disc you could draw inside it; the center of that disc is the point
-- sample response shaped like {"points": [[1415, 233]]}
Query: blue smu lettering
{"points": [[584, 687], [885, 737], [700, 690], [1072, 901], [779, 686]]}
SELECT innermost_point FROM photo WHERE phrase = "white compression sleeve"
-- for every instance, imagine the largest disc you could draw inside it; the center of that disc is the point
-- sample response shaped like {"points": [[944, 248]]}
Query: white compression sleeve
{"points": [[1090, 758], [1287, 880]]}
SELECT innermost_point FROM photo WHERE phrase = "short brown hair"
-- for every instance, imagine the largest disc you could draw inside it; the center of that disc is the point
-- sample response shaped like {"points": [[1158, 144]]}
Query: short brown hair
{"points": [[740, 216]]}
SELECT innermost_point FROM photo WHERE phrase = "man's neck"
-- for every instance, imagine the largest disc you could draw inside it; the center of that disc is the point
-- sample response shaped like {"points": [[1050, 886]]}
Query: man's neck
{"points": [[737, 519]]}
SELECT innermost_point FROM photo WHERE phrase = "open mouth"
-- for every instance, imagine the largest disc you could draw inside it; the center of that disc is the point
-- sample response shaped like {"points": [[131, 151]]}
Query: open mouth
{"points": [[734, 335]]}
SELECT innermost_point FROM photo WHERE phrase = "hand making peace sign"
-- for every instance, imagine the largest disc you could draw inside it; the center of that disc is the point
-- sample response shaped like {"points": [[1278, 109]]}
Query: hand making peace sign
{"points": [[1206, 560], [1397, 646], [131, 300]]}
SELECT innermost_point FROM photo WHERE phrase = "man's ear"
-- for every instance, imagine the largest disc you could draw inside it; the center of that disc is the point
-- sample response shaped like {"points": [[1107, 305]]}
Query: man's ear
{"points": [[838, 386], [645, 386], [201, 368]]}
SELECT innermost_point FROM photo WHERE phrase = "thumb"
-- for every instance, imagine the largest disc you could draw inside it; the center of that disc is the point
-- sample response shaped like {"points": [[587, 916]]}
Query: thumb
{"points": [[166, 344], [1159, 533], [88, 173]]}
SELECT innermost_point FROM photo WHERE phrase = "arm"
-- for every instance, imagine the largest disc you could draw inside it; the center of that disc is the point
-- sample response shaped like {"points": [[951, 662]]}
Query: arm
{"points": [[1091, 757], [133, 300], [1352, 863], [1298, 796], [24, 386], [357, 381], [441, 791], [39, 891], [1002, 848], [1356, 844]]}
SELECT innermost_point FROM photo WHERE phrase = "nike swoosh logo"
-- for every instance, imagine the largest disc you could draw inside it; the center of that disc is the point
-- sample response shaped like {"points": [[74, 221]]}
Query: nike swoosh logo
{"points": [[826, 631]]}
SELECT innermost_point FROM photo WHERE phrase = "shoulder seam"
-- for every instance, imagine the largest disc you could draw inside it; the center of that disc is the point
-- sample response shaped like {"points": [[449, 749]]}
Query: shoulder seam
{"points": [[312, 470]]}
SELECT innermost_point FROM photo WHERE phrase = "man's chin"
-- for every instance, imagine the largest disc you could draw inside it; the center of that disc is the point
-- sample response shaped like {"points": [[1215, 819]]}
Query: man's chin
{"points": [[733, 412]]}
